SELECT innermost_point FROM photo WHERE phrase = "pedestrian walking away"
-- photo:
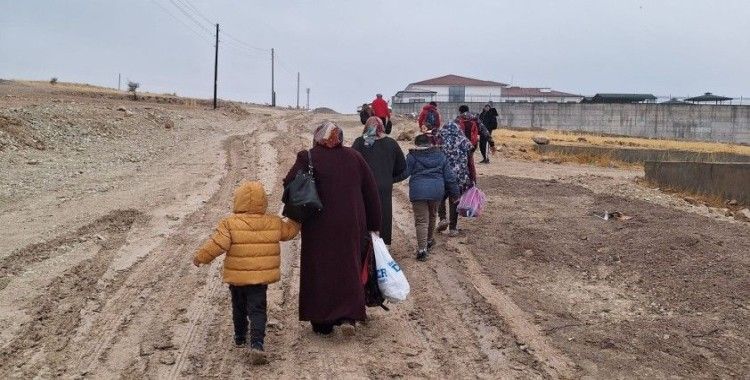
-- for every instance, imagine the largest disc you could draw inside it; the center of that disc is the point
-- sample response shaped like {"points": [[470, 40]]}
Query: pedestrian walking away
{"points": [[429, 116], [380, 109], [386, 160], [335, 241], [457, 149], [250, 239], [430, 179], [488, 117], [364, 113], [469, 124]]}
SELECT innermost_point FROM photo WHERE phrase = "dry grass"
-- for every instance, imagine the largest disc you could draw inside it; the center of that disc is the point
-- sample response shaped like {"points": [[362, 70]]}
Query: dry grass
{"points": [[695, 198], [584, 139]]}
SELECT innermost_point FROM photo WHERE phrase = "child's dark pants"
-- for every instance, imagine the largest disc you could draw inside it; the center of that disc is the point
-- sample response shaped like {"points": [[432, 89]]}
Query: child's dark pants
{"points": [[249, 301]]}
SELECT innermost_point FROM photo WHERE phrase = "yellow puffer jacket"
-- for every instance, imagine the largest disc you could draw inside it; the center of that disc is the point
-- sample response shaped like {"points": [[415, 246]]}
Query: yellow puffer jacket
{"points": [[250, 238]]}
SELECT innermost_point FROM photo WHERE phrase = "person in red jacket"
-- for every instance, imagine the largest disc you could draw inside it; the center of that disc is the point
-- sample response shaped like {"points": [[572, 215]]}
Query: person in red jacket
{"points": [[380, 109], [431, 110]]}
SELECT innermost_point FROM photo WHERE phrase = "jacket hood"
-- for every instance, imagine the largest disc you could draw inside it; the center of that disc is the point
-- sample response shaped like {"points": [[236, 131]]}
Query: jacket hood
{"points": [[428, 158], [428, 106], [250, 198]]}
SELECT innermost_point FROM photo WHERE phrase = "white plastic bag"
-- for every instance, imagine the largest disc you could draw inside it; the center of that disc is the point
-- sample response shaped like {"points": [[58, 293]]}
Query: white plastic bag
{"points": [[391, 279]]}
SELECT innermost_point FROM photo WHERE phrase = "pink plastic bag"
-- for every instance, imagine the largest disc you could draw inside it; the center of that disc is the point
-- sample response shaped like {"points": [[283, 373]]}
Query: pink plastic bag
{"points": [[471, 203]]}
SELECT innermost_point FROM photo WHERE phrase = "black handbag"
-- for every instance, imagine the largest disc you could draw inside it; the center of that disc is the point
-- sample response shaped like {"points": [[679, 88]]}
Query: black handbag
{"points": [[301, 200]]}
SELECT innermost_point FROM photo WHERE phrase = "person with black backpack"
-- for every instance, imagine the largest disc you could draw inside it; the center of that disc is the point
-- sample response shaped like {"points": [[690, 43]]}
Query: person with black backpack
{"points": [[429, 116], [488, 117]]}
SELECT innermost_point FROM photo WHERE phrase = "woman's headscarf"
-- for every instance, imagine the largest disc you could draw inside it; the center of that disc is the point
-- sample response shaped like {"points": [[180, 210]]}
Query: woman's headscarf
{"points": [[328, 135], [374, 130], [456, 148]]}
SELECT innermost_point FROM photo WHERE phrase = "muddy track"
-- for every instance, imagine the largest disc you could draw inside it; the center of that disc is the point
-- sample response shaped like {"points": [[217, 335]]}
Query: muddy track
{"points": [[57, 309], [120, 297]]}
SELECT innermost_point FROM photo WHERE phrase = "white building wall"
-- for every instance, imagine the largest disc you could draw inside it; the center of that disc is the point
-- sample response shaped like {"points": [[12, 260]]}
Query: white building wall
{"points": [[544, 99], [472, 93]]}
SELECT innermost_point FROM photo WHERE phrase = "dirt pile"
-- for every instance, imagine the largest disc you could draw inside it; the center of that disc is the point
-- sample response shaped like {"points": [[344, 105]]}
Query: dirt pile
{"points": [[324, 110]]}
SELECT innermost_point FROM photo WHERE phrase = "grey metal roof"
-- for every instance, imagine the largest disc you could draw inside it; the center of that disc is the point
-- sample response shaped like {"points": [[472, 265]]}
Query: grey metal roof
{"points": [[708, 97], [619, 98]]}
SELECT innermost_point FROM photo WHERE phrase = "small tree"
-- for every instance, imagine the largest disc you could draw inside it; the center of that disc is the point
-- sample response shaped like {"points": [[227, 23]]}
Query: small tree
{"points": [[53, 80], [132, 87]]}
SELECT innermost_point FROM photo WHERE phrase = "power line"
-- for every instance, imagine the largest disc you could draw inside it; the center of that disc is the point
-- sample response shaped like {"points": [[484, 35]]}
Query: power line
{"points": [[196, 11], [192, 9], [199, 34], [190, 16], [245, 43], [241, 49]]}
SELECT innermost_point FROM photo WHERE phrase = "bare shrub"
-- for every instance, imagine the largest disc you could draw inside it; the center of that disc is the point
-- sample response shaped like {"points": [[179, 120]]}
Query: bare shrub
{"points": [[132, 87], [53, 80]]}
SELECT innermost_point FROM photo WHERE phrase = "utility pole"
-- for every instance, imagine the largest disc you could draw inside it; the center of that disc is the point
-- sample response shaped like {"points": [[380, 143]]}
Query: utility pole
{"points": [[297, 89], [119, 81], [273, 91], [216, 63], [308, 98]]}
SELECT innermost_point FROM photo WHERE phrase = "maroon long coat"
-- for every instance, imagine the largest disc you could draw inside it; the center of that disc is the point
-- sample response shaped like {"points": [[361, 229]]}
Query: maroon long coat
{"points": [[331, 258]]}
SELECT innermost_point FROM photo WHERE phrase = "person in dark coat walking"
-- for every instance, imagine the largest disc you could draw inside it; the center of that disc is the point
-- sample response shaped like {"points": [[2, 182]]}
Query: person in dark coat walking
{"points": [[385, 158], [335, 241], [365, 113], [489, 119], [430, 179]]}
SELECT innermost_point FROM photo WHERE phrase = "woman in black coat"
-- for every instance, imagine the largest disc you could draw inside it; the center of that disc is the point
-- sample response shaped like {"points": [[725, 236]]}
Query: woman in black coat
{"points": [[388, 165]]}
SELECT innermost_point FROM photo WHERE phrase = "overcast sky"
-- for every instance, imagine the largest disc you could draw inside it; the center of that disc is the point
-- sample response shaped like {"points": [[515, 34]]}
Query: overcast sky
{"points": [[347, 51]]}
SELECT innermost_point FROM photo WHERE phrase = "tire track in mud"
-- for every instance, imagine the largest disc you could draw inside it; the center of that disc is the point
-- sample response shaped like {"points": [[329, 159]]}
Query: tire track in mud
{"points": [[193, 295], [208, 351], [159, 287], [466, 338], [552, 360], [42, 348], [528, 352], [285, 337]]}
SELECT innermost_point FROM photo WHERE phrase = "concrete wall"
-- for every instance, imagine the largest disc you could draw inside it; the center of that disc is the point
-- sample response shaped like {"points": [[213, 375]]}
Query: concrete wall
{"points": [[690, 122], [726, 180], [634, 155]]}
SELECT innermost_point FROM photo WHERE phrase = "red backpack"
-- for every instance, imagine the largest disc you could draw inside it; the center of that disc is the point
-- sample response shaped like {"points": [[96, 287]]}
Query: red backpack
{"points": [[470, 128]]}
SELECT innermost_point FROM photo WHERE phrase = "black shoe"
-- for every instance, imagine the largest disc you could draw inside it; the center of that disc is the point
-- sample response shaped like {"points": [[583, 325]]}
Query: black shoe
{"points": [[485, 161], [322, 328], [240, 341], [422, 255], [256, 346]]}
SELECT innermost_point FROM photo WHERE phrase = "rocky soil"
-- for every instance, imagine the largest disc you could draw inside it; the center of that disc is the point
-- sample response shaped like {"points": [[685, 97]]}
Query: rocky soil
{"points": [[104, 199]]}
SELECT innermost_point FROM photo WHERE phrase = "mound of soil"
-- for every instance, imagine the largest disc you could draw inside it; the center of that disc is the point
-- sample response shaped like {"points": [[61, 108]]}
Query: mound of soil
{"points": [[325, 110]]}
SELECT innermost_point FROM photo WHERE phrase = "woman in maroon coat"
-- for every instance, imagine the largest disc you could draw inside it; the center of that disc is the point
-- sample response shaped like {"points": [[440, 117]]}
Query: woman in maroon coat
{"points": [[334, 241]]}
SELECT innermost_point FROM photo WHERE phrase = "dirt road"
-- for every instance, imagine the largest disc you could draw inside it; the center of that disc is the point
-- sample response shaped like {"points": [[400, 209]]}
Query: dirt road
{"points": [[97, 233]]}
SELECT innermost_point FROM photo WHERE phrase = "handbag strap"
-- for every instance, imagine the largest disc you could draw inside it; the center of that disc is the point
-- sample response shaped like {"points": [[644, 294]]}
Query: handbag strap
{"points": [[309, 161]]}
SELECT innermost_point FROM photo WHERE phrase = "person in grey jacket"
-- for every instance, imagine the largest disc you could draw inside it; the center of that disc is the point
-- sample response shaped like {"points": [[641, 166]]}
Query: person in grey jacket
{"points": [[430, 178]]}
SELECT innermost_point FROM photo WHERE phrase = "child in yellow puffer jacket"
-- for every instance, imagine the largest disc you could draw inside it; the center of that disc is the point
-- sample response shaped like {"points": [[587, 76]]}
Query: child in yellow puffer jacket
{"points": [[251, 239]]}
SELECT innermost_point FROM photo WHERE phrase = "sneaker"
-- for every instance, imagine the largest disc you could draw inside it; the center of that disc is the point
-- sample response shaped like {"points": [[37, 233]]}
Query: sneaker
{"points": [[453, 233], [430, 244], [422, 255], [240, 341], [442, 225], [485, 161], [258, 357], [347, 329]]}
